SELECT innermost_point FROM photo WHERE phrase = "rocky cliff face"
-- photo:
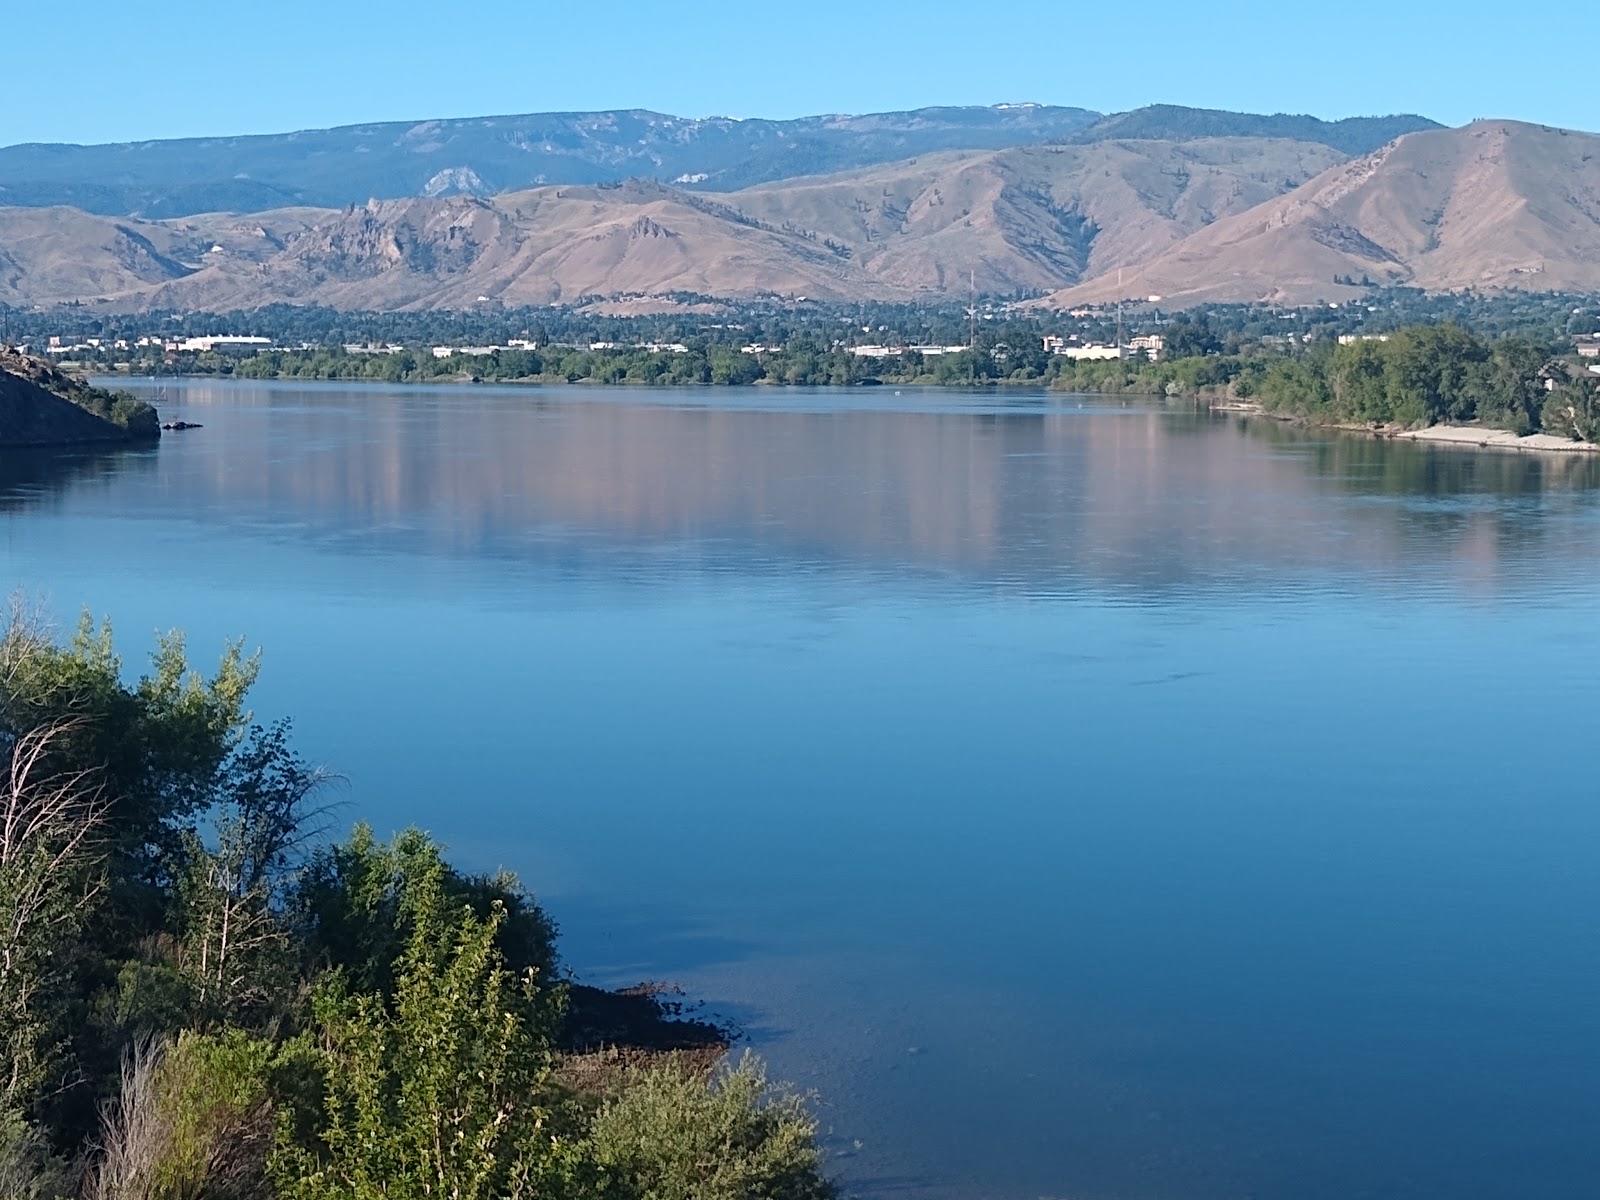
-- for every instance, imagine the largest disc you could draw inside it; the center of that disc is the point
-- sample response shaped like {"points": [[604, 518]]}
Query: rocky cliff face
{"points": [[41, 406]]}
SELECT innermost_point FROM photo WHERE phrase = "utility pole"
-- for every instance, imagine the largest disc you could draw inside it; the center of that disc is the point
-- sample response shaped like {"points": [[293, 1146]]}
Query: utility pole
{"points": [[1119, 312], [972, 322]]}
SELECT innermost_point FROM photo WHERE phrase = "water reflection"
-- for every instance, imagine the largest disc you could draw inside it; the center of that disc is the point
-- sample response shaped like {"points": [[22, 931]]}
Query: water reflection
{"points": [[35, 477], [1047, 496]]}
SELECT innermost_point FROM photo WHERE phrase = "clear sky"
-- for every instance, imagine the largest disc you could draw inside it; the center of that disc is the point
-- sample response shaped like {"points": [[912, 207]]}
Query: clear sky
{"points": [[93, 70]]}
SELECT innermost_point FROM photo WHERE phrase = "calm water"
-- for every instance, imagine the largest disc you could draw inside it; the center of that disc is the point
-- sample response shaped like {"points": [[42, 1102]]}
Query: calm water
{"points": [[1088, 801]]}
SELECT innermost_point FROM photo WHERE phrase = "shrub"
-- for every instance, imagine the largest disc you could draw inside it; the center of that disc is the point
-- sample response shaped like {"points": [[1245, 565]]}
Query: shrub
{"points": [[192, 1121], [437, 1088], [673, 1133]]}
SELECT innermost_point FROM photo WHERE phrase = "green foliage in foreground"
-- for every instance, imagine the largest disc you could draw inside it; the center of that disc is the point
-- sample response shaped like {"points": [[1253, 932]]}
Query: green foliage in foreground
{"points": [[197, 1004], [666, 1135]]}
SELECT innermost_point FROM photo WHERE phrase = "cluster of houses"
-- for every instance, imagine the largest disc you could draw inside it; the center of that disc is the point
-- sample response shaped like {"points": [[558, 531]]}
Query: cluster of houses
{"points": [[647, 347], [1588, 347], [902, 351], [1148, 345], [473, 351], [60, 347]]}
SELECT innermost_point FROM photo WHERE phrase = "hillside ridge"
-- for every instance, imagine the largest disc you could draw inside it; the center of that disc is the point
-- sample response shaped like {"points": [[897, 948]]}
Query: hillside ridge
{"points": [[488, 155]]}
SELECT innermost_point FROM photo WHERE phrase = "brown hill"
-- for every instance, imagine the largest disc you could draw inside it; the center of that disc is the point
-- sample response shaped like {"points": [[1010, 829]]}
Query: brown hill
{"points": [[1497, 204], [55, 255], [536, 247], [1031, 218]]}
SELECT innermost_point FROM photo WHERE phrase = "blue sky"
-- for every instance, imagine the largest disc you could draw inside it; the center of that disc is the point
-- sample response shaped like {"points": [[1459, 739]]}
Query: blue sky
{"points": [[92, 70]]}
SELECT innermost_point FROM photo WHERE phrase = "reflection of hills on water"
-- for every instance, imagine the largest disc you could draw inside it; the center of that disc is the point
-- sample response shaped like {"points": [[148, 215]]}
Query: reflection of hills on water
{"points": [[30, 477], [1131, 496]]}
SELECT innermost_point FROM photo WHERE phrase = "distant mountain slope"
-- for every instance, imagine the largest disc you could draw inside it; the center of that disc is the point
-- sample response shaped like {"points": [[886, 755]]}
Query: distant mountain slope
{"points": [[486, 155], [1171, 122], [1035, 217], [53, 255], [1029, 219], [535, 247], [1497, 204], [483, 156]]}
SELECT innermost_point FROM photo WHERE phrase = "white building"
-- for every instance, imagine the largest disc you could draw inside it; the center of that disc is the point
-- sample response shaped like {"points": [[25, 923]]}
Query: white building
{"points": [[469, 351], [203, 345], [1093, 353]]}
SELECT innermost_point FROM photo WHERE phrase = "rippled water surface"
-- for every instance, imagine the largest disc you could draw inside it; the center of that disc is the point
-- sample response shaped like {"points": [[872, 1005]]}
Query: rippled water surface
{"points": [[1087, 800]]}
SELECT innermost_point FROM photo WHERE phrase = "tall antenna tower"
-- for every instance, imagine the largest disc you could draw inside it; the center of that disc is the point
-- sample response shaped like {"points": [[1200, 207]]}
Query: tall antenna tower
{"points": [[972, 309]]}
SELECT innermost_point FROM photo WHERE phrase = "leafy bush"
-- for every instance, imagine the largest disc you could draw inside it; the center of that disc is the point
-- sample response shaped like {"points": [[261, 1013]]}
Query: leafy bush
{"points": [[437, 1089], [192, 1121], [357, 908], [672, 1133]]}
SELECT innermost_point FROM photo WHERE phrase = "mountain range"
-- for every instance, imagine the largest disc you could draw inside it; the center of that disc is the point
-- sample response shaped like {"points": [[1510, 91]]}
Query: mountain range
{"points": [[1187, 204], [488, 155]]}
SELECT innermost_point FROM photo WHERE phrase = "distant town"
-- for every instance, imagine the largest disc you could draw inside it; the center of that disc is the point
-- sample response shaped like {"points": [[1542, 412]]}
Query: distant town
{"points": [[992, 338]]}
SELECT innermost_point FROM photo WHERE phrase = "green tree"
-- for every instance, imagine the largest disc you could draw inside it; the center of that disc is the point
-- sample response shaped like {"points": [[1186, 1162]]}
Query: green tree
{"points": [[436, 1089], [50, 855], [1190, 336], [158, 747], [1573, 410]]}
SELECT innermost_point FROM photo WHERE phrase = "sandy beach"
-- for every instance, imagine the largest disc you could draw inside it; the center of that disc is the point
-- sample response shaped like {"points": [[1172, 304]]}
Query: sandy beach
{"points": [[1493, 439]]}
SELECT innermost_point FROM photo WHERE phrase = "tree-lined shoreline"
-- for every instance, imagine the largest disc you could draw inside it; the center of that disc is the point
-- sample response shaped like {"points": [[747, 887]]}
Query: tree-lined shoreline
{"points": [[1415, 378]]}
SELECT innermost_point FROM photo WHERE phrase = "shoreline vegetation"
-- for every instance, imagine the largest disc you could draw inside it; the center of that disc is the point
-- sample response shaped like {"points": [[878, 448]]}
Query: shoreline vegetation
{"points": [[1432, 383], [204, 996], [1472, 437]]}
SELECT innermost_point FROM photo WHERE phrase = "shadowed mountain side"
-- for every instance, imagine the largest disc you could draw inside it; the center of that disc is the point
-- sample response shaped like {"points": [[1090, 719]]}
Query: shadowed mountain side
{"points": [[482, 156], [486, 155], [1496, 204], [1352, 135]]}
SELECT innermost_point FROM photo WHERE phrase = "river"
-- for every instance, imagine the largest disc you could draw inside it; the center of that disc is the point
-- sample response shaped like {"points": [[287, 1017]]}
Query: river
{"points": [[1085, 799]]}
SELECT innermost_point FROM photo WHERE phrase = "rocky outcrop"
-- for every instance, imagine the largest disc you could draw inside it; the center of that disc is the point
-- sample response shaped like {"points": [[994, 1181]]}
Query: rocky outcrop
{"points": [[41, 406]]}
